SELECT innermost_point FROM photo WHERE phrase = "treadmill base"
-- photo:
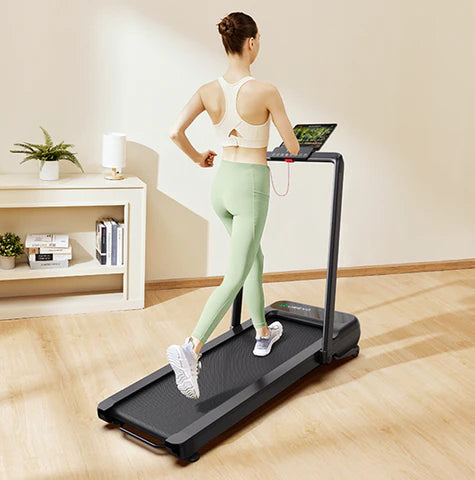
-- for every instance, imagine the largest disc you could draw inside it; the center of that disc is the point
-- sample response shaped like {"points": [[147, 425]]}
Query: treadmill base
{"points": [[233, 382]]}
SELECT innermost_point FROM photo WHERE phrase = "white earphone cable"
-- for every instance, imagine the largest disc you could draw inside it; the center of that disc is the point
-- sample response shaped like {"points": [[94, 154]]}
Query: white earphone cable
{"points": [[288, 181]]}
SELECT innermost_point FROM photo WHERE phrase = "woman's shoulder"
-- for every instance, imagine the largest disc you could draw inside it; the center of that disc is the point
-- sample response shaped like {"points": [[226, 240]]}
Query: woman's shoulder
{"points": [[264, 88], [210, 89], [261, 82]]}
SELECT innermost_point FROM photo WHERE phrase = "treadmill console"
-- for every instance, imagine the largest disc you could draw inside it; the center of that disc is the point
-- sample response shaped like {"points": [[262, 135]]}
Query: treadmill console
{"points": [[311, 138], [282, 153]]}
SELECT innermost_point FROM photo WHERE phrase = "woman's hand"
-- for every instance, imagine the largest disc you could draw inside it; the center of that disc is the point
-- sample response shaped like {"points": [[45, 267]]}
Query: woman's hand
{"points": [[205, 159]]}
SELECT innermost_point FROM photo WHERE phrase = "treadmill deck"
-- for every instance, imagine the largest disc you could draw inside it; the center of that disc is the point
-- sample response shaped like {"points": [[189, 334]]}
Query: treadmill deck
{"points": [[160, 409]]}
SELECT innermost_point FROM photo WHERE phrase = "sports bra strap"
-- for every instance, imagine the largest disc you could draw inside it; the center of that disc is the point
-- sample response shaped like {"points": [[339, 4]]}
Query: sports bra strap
{"points": [[249, 135]]}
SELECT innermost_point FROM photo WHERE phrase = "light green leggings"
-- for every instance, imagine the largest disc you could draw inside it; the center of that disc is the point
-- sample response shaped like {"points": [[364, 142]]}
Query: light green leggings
{"points": [[240, 197]]}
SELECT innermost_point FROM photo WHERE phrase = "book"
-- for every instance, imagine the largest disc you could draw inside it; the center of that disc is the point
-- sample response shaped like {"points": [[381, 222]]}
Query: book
{"points": [[47, 257], [46, 240], [60, 250], [110, 241], [49, 264], [114, 241], [101, 242], [124, 242], [107, 223], [120, 244]]}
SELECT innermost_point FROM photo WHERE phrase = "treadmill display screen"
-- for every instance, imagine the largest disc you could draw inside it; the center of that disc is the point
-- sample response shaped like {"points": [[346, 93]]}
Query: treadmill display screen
{"points": [[313, 135]]}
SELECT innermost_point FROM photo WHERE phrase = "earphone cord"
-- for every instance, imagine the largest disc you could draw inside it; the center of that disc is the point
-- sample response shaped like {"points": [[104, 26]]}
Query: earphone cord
{"points": [[272, 180], [288, 181]]}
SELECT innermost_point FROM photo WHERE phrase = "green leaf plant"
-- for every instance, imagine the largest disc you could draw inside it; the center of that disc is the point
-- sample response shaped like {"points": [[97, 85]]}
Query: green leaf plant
{"points": [[10, 245], [47, 152]]}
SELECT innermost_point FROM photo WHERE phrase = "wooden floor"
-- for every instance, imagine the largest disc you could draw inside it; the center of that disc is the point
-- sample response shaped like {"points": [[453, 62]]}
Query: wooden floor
{"points": [[403, 409]]}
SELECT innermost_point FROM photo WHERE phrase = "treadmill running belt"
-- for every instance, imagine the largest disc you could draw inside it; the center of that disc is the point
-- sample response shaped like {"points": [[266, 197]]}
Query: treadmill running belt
{"points": [[162, 410]]}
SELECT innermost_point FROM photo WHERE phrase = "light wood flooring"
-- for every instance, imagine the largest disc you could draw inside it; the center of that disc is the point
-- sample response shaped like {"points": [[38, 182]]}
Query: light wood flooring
{"points": [[403, 409]]}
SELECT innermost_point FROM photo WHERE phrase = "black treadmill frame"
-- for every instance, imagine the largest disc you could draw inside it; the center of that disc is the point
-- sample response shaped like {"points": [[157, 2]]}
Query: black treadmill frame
{"points": [[185, 443]]}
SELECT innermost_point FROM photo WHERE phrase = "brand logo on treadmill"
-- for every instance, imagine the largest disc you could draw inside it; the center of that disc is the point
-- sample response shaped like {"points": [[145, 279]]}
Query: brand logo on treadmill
{"points": [[295, 307]]}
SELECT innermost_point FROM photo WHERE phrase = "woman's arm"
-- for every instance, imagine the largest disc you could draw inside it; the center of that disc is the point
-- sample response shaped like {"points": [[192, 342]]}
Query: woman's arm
{"points": [[177, 132], [276, 107]]}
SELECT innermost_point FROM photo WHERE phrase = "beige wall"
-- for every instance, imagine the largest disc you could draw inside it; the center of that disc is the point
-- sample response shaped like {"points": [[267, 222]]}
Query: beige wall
{"points": [[398, 78]]}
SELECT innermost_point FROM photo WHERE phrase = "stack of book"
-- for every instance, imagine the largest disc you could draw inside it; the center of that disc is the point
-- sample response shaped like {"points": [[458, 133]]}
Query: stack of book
{"points": [[48, 250], [110, 241]]}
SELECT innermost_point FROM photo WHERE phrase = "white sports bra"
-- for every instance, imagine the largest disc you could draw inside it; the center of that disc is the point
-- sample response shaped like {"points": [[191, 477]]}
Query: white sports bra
{"points": [[252, 136]]}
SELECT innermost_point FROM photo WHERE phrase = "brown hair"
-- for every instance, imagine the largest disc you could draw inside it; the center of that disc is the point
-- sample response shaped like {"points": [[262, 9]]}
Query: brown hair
{"points": [[234, 29]]}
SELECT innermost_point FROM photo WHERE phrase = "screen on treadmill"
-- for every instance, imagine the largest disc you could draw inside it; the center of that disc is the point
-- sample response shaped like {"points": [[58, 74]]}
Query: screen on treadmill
{"points": [[313, 135]]}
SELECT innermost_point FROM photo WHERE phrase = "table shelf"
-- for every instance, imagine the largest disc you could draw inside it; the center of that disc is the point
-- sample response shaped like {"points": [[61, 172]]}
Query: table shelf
{"points": [[77, 267], [72, 205]]}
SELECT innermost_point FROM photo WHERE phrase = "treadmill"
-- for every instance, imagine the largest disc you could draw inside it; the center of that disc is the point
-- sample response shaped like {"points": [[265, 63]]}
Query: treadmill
{"points": [[234, 382]]}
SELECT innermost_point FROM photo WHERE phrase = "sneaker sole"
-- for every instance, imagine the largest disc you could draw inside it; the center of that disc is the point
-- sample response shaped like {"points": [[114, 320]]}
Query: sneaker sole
{"points": [[259, 354], [183, 382]]}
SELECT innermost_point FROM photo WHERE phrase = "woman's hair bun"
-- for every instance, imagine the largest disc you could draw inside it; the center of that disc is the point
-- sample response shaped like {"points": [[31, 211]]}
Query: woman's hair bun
{"points": [[226, 26], [235, 28]]}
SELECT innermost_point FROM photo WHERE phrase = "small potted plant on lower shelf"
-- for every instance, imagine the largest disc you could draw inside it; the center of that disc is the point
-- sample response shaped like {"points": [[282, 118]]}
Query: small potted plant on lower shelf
{"points": [[48, 155], [10, 248]]}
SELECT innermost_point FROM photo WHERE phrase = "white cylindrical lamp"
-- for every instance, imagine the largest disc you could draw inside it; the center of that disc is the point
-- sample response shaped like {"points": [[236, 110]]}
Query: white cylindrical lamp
{"points": [[114, 154]]}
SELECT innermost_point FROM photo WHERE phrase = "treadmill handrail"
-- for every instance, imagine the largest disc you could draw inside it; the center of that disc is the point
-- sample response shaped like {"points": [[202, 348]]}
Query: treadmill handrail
{"points": [[337, 160]]}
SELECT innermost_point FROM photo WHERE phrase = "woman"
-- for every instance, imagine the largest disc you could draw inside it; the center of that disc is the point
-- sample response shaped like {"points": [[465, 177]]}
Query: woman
{"points": [[240, 108]]}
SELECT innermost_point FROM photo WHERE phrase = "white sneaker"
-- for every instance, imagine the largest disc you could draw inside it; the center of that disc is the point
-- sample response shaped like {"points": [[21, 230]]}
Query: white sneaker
{"points": [[264, 344], [186, 365]]}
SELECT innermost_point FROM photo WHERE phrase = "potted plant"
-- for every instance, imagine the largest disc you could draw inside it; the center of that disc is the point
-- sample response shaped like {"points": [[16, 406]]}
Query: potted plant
{"points": [[48, 155], [10, 247]]}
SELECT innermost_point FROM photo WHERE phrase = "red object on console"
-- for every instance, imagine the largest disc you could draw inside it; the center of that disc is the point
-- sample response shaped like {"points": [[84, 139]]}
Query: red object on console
{"points": [[288, 159]]}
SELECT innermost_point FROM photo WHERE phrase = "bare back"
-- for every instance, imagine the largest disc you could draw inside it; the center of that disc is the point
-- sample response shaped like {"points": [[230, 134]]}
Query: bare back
{"points": [[255, 101]]}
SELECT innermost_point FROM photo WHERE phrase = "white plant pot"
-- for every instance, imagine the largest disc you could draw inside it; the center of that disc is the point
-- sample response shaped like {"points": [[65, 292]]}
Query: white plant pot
{"points": [[50, 170], [6, 262]]}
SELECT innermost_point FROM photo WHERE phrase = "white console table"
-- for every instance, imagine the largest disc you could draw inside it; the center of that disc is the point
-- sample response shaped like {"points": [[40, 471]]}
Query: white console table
{"points": [[72, 205]]}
